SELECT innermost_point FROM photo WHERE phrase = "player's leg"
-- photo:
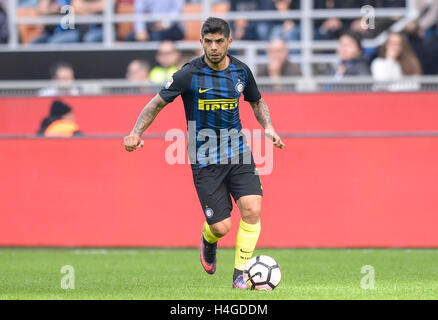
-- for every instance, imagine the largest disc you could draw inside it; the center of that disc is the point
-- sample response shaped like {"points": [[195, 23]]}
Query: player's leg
{"points": [[245, 186], [216, 204], [247, 236]]}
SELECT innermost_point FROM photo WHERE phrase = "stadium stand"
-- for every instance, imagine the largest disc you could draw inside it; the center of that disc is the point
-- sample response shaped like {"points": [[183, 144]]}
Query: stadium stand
{"points": [[316, 52]]}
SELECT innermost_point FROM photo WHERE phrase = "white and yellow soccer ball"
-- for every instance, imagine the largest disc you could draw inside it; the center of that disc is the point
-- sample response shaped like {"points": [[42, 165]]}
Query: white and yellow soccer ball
{"points": [[262, 273]]}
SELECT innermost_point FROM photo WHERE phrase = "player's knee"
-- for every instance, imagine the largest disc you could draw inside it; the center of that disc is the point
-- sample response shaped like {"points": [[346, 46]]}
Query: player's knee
{"points": [[220, 229], [251, 211]]}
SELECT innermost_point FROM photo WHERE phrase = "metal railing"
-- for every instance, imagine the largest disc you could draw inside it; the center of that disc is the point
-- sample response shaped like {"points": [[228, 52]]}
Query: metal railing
{"points": [[306, 46], [286, 84]]}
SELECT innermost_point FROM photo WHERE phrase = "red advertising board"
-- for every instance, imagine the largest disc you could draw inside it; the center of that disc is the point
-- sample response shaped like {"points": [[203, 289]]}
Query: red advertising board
{"points": [[322, 192]]}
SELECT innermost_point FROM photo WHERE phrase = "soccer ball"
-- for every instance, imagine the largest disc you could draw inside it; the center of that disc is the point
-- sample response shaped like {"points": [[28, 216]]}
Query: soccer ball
{"points": [[262, 273]]}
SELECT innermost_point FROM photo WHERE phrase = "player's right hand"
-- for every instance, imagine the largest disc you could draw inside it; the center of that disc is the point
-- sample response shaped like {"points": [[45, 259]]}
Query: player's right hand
{"points": [[132, 142]]}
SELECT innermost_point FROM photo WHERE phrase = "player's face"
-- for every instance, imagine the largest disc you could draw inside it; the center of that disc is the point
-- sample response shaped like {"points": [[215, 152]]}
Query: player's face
{"points": [[215, 47]]}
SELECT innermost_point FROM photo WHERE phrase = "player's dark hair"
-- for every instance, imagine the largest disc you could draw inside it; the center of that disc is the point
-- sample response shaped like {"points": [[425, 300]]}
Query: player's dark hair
{"points": [[215, 25]]}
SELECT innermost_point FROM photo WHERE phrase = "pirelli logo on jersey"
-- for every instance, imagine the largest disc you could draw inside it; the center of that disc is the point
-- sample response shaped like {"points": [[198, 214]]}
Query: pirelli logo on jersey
{"points": [[218, 104]]}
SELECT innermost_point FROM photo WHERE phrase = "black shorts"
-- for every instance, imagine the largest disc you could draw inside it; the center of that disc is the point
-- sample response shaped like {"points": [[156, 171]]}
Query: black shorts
{"points": [[216, 182]]}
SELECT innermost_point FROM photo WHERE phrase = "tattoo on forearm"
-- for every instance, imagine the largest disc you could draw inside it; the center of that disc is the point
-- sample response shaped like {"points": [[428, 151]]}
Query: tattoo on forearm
{"points": [[261, 112], [148, 115]]}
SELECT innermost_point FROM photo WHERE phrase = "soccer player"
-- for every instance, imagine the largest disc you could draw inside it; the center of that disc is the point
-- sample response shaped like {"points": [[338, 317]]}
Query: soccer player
{"points": [[210, 87]]}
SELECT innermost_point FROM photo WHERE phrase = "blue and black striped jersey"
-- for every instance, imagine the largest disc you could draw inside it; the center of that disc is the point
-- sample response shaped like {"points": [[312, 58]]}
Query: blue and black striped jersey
{"points": [[211, 102]]}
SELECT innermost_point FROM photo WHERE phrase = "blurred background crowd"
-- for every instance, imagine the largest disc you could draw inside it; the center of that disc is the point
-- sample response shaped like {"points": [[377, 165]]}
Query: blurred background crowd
{"points": [[398, 45]]}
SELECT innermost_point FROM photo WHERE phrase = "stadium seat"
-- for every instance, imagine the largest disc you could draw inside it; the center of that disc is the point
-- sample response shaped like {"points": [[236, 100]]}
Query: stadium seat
{"points": [[28, 32]]}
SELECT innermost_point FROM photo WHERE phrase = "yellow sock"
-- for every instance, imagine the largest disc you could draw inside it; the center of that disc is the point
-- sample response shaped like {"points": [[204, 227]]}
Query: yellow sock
{"points": [[208, 235], [246, 241]]}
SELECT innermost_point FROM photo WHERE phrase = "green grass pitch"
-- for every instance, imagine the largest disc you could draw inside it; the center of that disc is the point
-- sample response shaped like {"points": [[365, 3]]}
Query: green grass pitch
{"points": [[169, 274]]}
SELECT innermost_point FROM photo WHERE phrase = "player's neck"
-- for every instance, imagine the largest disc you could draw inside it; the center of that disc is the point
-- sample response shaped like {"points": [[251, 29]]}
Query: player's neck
{"points": [[221, 65]]}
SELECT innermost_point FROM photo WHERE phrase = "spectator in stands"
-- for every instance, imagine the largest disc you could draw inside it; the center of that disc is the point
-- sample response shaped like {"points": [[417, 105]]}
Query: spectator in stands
{"points": [[352, 60], [332, 28], [55, 34], [60, 122], [430, 60], [65, 34], [425, 48], [396, 59], [91, 32], [4, 34], [279, 64], [242, 28], [286, 29], [138, 70], [159, 30], [62, 74], [168, 58], [428, 18], [379, 24]]}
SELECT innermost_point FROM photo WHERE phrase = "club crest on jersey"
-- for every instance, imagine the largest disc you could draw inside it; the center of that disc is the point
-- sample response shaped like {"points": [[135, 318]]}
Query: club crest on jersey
{"points": [[240, 86], [169, 83], [209, 212]]}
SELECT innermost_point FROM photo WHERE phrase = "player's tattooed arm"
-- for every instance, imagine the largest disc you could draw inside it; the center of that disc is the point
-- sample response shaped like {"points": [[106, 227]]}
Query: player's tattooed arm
{"points": [[263, 116], [147, 116]]}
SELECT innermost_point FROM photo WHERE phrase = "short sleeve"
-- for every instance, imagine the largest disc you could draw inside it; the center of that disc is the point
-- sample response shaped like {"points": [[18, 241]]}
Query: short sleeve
{"points": [[251, 91], [178, 84]]}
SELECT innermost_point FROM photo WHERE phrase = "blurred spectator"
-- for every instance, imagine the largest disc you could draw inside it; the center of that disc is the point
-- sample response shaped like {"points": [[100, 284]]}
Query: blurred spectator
{"points": [[60, 34], [243, 29], [429, 60], [426, 49], [379, 24], [3, 25], [352, 60], [138, 70], [278, 65], [91, 32], [55, 34], [396, 59], [332, 28], [159, 30], [286, 29], [168, 58], [60, 122], [428, 18], [62, 74]]}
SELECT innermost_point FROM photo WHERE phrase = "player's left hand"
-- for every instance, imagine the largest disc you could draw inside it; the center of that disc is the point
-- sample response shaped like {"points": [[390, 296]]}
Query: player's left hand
{"points": [[271, 134]]}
